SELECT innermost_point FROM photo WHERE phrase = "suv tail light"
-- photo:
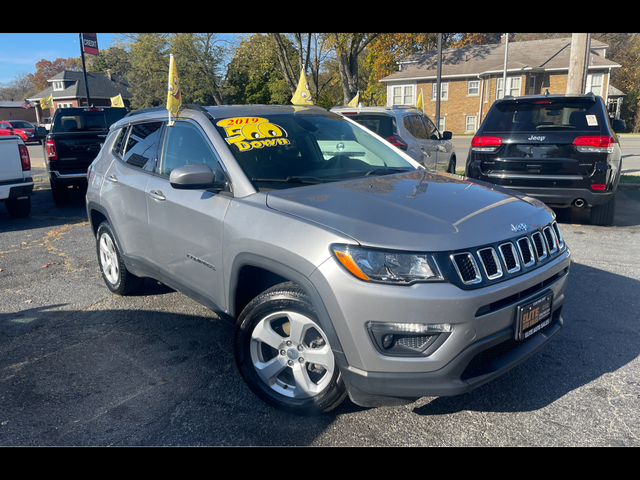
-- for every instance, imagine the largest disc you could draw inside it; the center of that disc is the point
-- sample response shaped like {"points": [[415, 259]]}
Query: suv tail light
{"points": [[50, 148], [396, 141], [595, 143], [24, 157], [486, 144]]}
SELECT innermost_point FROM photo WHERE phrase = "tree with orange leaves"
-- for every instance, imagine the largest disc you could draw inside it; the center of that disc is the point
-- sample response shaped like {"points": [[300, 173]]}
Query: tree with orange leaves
{"points": [[45, 69]]}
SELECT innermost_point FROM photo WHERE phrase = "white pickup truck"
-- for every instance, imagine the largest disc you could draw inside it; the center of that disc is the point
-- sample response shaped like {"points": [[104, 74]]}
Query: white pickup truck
{"points": [[16, 185]]}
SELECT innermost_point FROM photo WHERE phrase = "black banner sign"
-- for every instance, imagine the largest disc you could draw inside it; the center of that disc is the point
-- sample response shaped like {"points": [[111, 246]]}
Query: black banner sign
{"points": [[90, 43]]}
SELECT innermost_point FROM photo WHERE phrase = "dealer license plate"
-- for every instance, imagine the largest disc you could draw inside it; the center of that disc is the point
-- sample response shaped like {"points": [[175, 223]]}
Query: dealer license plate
{"points": [[534, 316]]}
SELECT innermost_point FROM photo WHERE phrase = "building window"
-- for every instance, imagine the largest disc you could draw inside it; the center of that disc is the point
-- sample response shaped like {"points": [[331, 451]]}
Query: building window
{"points": [[444, 91], [64, 105], [513, 87], [402, 95], [473, 88], [470, 123], [57, 86], [594, 83], [441, 124]]}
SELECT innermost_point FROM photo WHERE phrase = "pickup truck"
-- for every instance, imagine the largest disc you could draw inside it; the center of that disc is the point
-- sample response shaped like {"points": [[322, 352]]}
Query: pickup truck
{"points": [[74, 140], [16, 184]]}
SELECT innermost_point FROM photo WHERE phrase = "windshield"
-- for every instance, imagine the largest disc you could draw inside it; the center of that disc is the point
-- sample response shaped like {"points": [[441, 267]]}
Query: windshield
{"points": [[540, 115], [21, 125], [281, 150]]}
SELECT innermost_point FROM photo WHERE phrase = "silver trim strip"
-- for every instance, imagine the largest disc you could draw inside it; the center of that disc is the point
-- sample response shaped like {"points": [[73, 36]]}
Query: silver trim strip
{"points": [[69, 175], [534, 177]]}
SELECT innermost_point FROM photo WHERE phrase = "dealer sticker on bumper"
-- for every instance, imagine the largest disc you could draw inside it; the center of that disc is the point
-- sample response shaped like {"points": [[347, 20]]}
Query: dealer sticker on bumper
{"points": [[533, 316]]}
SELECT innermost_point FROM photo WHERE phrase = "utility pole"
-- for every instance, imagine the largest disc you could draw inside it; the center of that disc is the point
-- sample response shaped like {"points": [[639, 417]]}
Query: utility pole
{"points": [[578, 62], [84, 71], [506, 61], [438, 81]]}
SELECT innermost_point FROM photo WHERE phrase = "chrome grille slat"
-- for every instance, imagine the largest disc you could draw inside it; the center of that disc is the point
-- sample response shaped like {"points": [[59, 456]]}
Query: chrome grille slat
{"points": [[467, 268], [556, 230], [490, 263], [509, 257], [550, 237], [526, 252], [540, 245]]}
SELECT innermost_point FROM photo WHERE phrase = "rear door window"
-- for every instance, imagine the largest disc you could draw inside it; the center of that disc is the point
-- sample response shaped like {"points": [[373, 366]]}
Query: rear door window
{"points": [[380, 124], [138, 147]]}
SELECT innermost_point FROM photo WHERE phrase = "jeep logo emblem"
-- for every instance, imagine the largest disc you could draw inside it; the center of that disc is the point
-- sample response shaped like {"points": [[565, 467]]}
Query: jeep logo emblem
{"points": [[537, 138], [521, 227]]}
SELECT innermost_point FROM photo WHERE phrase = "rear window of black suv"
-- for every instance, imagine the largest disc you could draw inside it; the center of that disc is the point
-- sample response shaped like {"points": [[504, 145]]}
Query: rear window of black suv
{"points": [[545, 115]]}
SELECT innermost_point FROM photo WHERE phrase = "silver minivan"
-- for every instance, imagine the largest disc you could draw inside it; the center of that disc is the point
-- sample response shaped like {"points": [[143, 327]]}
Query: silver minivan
{"points": [[346, 267]]}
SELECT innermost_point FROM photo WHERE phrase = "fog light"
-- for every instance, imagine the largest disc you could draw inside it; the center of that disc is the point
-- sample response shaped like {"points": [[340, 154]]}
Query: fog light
{"points": [[387, 341], [408, 339]]}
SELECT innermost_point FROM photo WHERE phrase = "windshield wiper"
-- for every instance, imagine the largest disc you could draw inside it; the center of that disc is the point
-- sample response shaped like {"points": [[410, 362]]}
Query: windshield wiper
{"points": [[291, 179], [386, 171]]}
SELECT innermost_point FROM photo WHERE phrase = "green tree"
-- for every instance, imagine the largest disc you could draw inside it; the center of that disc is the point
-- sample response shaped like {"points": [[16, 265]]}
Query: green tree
{"points": [[253, 76], [198, 58], [114, 58]]}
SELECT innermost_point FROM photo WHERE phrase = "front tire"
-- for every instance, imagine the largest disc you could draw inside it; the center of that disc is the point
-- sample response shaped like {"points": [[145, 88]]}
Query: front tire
{"points": [[452, 165], [114, 272], [283, 354]]}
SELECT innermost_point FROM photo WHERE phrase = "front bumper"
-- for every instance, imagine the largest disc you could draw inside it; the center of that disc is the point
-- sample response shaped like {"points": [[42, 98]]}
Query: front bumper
{"points": [[480, 348]]}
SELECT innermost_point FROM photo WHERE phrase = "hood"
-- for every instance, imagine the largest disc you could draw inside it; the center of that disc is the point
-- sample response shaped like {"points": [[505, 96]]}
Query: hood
{"points": [[421, 211]]}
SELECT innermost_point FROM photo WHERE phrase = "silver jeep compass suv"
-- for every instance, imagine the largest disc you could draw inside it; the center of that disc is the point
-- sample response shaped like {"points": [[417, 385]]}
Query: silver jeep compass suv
{"points": [[346, 267]]}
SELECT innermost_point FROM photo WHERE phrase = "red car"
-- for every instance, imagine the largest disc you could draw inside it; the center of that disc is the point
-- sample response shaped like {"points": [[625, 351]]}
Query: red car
{"points": [[24, 129]]}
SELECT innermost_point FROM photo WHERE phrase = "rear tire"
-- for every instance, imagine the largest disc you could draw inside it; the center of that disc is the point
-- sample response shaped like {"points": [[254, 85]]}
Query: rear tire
{"points": [[60, 193], [18, 207], [284, 356], [114, 272], [603, 215]]}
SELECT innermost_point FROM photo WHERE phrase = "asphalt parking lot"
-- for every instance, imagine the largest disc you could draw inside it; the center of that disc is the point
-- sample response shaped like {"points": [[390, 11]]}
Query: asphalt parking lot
{"points": [[80, 366]]}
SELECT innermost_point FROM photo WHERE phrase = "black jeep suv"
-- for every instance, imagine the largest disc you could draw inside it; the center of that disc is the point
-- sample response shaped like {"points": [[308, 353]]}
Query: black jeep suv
{"points": [[560, 149]]}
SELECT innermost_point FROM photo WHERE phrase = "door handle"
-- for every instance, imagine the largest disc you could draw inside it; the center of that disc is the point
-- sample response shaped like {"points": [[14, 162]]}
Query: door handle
{"points": [[112, 178], [157, 195], [425, 152]]}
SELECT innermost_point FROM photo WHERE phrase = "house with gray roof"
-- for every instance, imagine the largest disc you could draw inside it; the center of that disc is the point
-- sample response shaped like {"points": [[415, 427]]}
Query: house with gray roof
{"points": [[67, 89], [472, 78]]}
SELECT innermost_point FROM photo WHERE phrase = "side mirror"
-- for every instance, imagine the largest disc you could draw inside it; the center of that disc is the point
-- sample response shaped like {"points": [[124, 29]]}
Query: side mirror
{"points": [[41, 131], [193, 177], [618, 125], [446, 135]]}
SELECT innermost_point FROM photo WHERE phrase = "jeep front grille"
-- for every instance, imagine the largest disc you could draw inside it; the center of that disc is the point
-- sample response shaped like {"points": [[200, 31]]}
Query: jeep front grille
{"points": [[490, 263]]}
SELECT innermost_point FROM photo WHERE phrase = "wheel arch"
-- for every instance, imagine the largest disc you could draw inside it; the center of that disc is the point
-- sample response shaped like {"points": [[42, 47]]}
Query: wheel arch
{"points": [[253, 274]]}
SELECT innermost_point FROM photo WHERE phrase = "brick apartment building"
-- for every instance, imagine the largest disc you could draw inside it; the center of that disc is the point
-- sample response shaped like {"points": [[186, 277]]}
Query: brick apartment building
{"points": [[471, 78]]}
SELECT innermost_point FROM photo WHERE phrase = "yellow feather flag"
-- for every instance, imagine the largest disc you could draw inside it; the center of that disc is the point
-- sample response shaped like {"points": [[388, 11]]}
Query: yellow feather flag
{"points": [[355, 100], [302, 95], [46, 102], [117, 101], [174, 99], [420, 103]]}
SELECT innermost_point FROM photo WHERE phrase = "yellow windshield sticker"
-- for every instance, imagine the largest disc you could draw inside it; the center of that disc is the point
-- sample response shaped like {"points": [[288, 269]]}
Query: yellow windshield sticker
{"points": [[247, 133]]}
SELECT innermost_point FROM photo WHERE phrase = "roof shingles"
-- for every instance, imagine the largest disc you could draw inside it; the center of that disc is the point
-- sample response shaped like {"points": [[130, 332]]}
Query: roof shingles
{"points": [[536, 55]]}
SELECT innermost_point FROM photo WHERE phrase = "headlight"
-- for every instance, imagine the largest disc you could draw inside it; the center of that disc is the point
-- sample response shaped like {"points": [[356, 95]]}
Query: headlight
{"points": [[388, 266]]}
